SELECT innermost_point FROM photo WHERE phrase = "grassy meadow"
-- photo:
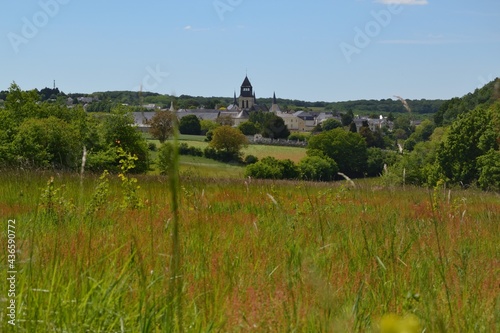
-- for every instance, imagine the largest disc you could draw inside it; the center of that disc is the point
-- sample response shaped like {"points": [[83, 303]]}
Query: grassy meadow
{"points": [[256, 256], [260, 151]]}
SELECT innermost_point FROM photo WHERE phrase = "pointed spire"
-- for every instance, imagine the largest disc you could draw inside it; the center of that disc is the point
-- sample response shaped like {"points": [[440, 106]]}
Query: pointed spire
{"points": [[235, 102], [172, 106], [254, 98], [275, 107]]}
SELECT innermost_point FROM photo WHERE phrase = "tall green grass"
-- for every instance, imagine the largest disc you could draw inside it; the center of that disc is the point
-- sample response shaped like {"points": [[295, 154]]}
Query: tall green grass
{"points": [[249, 255]]}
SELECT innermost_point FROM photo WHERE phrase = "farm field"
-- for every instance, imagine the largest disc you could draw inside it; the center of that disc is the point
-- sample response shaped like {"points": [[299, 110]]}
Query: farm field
{"points": [[258, 256], [260, 151]]}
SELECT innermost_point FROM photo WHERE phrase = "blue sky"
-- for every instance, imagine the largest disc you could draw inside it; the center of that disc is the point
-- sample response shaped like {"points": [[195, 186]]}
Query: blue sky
{"points": [[333, 50]]}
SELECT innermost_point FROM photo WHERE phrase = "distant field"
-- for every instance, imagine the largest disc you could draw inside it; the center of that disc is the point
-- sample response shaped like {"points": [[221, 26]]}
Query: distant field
{"points": [[204, 167], [260, 151]]}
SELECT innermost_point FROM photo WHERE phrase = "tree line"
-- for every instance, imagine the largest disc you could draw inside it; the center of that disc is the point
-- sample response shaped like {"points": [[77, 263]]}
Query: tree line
{"points": [[105, 101]]}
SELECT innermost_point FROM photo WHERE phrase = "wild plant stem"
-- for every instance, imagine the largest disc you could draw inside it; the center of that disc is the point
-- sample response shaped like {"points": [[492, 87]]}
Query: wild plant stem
{"points": [[176, 275]]}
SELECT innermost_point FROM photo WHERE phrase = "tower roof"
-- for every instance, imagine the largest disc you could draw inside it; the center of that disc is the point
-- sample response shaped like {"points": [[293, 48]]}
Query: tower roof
{"points": [[274, 98], [246, 82]]}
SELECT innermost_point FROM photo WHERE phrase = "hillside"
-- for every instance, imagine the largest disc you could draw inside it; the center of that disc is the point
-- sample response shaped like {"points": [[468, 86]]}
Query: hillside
{"points": [[451, 109]]}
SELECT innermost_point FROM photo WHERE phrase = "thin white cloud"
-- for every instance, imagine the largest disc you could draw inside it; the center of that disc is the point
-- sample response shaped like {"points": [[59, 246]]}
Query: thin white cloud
{"points": [[403, 2], [416, 41], [190, 28]]}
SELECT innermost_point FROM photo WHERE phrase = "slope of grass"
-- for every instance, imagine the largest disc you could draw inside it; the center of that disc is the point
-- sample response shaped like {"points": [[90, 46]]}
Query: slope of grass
{"points": [[258, 256]]}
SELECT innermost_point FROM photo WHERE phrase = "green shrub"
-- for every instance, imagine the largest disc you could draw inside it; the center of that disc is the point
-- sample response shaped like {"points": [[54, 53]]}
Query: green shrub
{"points": [[297, 137], [262, 170], [165, 156], [317, 168], [272, 168], [251, 159], [152, 146], [489, 175]]}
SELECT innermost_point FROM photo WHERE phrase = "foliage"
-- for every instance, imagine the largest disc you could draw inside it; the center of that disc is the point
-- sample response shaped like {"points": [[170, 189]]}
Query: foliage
{"points": [[100, 196], [473, 134], [489, 170], [228, 140], [248, 128], [347, 118], [422, 133], [269, 125], [404, 122], [330, 124], [47, 142], [117, 130], [272, 168], [250, 159], [347, 149], [225, 120], [131, 199], [372, 138], [165, 157], [452, 109], [274, 127], [162, 125], [207, 125], [315, 168], [185, 149], [152, 146], [53, 205], [190, 124], [100, 160], [297, 137], [377, 159]]}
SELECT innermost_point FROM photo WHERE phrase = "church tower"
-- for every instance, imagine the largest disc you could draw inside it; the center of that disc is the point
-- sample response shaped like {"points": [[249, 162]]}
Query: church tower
{"points": [[247, 99], [275, 107]]}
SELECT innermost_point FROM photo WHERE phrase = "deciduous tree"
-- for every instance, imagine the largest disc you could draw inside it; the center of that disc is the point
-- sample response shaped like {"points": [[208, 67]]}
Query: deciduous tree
{"points": [[162, 125], [346, 148], [228, 140]]}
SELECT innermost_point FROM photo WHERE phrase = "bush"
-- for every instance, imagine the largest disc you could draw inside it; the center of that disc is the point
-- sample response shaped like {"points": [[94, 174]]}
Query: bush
{"points": [[152, 146], [165, 155], [210, 153], [248, 128], [489, 175], [262, 170], [315, 168], [347, 149], [185, 149], [376, 160], [190, 124], [209, 135], [271, 168], [330, 124], [100, 160], [221, 155], [251, 159], [297, 137]]}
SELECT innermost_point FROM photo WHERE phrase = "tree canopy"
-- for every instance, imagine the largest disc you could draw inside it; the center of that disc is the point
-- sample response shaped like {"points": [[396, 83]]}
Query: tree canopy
{"points": [[190, 124], [347, 149], [228, 140], [162, 125]]}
